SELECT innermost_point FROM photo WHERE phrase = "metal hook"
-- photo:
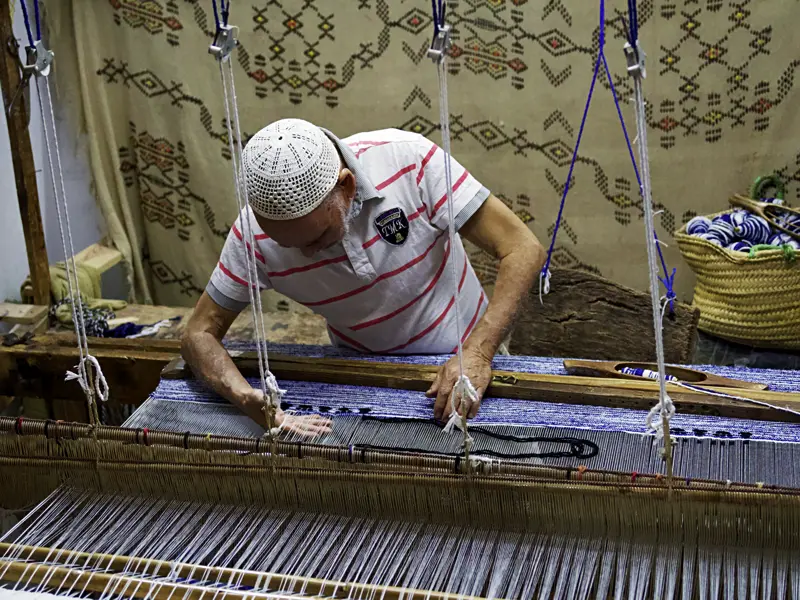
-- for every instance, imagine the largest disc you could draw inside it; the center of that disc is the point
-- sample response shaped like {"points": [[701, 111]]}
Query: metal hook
{"points": [[224, 42]]}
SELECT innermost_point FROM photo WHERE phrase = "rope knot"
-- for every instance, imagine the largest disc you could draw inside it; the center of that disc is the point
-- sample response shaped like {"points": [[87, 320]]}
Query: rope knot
{"points": [[657, 415], [463, 390], [82, 376]]}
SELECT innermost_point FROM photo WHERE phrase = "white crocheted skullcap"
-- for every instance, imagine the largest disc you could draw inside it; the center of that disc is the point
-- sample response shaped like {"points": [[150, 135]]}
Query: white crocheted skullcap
{"points": [[290, 167]]}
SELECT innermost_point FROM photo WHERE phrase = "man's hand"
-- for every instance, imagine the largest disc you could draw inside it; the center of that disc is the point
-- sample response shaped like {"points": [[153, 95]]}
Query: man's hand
{"points": [[308, 426], [479, 370]]}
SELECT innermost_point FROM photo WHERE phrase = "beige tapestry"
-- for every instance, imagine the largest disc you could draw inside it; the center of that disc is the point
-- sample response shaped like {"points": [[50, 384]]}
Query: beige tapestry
{"points": [[721, 91]]}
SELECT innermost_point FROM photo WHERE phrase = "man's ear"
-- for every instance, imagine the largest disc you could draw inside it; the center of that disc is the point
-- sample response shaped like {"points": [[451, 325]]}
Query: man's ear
{"points": [[347, 181]]}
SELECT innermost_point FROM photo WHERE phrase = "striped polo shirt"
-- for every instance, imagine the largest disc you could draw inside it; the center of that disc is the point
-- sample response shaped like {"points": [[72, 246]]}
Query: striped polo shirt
{"points": [[387, 288]]}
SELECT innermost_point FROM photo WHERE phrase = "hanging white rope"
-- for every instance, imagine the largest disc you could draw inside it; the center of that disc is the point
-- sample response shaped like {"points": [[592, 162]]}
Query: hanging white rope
{"points": [[463, 393], [40, 59], [224, 43], [659, 416]]}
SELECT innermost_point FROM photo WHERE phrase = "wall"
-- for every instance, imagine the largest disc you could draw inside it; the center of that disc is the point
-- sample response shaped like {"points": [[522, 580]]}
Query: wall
{"points": [[85, 219]]}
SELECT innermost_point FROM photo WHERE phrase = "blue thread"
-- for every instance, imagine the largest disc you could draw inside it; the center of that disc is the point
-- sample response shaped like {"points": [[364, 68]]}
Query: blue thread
{"points": [[546, 267], [27, 22], [668, 281], [216, 14], [38, 24]]}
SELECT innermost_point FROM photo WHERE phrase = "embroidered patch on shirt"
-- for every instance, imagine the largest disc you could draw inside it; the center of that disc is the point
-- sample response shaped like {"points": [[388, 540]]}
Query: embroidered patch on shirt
{"points": [[393, 226]]}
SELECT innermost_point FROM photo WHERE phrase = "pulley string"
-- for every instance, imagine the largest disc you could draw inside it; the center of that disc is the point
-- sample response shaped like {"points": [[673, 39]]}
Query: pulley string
{"points": [[544, 278], [665, 408], [463, 393], [93, 385], [269, 386]]}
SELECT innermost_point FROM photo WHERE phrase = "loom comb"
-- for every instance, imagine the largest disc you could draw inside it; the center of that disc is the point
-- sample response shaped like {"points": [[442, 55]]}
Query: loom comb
{"points": [[615, 369], [767, 211]]}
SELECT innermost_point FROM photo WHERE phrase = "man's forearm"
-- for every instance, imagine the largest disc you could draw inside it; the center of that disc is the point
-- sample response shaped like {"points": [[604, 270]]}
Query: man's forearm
{"points": [[516, 275], [211, 363]]}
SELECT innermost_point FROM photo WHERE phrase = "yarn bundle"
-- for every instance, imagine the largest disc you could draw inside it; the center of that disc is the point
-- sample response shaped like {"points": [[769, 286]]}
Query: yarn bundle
{"points": [[740, 230]]}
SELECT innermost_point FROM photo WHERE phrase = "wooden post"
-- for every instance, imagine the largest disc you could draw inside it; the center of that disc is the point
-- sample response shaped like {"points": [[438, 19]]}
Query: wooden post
{"points": [[22, 158]]}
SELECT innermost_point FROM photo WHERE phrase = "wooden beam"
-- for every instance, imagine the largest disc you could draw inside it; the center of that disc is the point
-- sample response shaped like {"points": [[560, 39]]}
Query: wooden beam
{"points": [[22, 314], [99, 257], [22, 159], [133, 368]]}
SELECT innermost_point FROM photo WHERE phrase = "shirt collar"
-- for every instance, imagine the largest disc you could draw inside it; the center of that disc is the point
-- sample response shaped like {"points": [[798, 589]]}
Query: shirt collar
{"points": [[365, 190]]}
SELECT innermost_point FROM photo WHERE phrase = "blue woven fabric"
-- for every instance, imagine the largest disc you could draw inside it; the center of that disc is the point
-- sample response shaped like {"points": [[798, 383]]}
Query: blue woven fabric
{"points": [[309, 397]]}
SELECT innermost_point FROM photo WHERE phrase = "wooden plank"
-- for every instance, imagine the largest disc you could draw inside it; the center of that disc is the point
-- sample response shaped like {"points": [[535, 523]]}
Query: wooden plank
{"points": [[99, 257], [133, 369], [22, 314], [588, 316], [24, 166]]}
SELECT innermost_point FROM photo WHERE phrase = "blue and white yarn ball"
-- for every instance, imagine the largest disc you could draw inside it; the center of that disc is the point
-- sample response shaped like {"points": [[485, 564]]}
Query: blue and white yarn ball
{"points": [[722, 230], [710, 237], [783, 239], [753, 229], [740, 246], [778, 201], [698, 225], [790, 222]]}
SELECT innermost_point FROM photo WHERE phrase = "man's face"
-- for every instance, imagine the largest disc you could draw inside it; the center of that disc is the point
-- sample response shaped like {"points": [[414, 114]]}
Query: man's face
{"points": [[323, 227]]}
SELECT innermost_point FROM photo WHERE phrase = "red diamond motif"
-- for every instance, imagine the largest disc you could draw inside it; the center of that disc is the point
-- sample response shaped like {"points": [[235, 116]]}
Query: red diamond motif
{"points": [[455, 51], [554, 42], [762, 106], [173, 24], [668, 123], [330, 85], [517, 65], [260, 76]]}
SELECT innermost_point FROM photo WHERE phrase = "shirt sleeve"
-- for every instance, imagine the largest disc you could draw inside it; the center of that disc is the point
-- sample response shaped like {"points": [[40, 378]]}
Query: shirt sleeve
{"points": [[468, 193], [228, 284]]}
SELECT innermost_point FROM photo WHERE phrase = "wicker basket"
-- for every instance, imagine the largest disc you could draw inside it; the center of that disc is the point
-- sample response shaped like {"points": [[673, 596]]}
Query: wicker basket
{"points": [[753, 301]]}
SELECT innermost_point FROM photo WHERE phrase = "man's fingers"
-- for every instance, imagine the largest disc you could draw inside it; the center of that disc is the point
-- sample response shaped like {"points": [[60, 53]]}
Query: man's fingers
{"points": [[441, 408], [434, 389]]}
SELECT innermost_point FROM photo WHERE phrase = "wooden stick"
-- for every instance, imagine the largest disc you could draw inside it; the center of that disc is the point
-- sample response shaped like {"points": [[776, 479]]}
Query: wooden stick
{"points": [[294, 584], [22, 159]]}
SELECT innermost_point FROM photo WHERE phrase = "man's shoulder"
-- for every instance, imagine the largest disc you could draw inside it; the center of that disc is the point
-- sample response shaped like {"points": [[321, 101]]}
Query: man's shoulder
{"points": [[385, 137]]}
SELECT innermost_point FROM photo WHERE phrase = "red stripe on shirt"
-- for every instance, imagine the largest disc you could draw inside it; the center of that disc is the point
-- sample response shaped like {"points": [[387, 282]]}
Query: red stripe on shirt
{"points": [[261, 236], [438, 320], [232, 275], [383, 277], [395, 177], [372, 145], [444, 198], [471, 323], [351, 342], [394, 313], [238, 234], [312, 266], [425, 161]]}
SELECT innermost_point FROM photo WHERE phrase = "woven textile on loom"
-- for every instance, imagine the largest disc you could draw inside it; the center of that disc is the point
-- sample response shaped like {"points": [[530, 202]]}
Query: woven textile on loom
{"points": [[719, 448]]}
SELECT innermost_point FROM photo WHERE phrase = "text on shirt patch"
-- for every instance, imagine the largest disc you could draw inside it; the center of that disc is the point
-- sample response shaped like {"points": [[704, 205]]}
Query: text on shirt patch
{"points": [[392, 226]]}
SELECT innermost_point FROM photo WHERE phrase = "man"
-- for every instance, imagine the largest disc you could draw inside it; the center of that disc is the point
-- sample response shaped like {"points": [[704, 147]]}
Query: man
{"points": [[357, 230]]}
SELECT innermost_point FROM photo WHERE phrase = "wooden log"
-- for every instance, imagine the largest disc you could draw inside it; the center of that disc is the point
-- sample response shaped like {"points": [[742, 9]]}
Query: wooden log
{"points": [[22, 160], [588, 316], [293, 584]]}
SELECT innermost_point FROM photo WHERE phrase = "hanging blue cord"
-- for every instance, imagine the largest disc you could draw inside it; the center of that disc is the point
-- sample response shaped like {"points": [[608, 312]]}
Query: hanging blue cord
{"points": [[27, 22], [668, 280], [38, 25], [546, 268], [225, 9], [216, 14]]}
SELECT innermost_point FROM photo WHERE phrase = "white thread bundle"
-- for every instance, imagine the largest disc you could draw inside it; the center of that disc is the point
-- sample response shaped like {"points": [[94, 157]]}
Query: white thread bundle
{"points": [[272, 393], [463, 390], [98, 391]]}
